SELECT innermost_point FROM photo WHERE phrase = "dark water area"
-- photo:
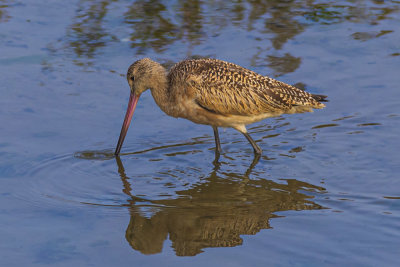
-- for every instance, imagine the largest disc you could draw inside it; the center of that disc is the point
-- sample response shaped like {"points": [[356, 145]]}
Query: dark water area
{"points": [[326, 190]]}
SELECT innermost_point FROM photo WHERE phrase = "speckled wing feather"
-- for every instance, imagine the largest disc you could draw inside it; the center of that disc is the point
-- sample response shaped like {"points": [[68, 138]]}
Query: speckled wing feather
{"points": [[227, 88]]}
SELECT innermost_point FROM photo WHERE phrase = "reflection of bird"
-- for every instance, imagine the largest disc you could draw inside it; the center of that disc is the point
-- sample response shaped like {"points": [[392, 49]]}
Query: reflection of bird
{"points": [[216, 93], [214, 213]]}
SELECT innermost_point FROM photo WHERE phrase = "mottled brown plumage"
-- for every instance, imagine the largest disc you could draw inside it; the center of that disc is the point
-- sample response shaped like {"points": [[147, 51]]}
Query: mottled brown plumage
{"points": [[217, 93]]}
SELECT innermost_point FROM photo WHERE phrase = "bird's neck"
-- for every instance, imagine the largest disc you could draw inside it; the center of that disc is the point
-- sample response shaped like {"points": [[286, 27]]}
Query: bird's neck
{"points": [[160, 92]]}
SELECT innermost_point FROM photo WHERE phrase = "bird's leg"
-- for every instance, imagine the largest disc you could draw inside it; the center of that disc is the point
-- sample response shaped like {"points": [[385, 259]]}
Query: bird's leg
{"points": [[257, 149], [218, 149]]}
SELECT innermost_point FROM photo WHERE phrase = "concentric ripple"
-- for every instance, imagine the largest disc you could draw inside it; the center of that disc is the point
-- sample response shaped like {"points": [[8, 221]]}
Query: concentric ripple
{"points": [[69, 180], [96, 178]]}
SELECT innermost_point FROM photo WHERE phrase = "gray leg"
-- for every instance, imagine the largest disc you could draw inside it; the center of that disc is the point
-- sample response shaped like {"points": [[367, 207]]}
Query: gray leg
{"points": [[257, 149], [217, 142]]}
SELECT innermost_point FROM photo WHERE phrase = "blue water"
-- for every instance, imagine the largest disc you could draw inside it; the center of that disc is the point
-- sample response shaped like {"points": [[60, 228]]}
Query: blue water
{"points": [[324, 192]]}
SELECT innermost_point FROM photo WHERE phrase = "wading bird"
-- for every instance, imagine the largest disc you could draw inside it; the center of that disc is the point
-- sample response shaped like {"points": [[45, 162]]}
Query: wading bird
{"points": [[215, 93]]}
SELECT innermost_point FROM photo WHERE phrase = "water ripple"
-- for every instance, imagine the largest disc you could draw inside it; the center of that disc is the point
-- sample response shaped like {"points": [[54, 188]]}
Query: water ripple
{"points": [[72, 181]]}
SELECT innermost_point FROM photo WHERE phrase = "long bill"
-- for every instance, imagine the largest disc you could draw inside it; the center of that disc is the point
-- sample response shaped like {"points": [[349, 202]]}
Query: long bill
{"points": [[133, 99]]}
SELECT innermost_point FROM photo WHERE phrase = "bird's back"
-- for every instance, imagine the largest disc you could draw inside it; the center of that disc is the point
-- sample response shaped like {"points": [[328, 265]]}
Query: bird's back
{"points": [[216, 93], [229, 89]]}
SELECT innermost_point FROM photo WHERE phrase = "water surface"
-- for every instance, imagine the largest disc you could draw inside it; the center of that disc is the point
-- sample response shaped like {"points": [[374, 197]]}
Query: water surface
{"points": [[324, 192]]}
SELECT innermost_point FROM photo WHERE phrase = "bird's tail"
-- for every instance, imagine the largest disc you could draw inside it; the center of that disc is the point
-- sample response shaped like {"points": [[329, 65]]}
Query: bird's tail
{"points": [[320, 98]]}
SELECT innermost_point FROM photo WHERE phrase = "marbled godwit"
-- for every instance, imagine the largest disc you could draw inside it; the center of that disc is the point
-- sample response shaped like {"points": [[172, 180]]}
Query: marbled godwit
{"points": [[216, 93]]}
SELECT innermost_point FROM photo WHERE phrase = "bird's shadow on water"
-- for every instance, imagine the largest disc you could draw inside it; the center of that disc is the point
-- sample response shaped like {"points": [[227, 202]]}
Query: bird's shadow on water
{"points": [[214, 213]]}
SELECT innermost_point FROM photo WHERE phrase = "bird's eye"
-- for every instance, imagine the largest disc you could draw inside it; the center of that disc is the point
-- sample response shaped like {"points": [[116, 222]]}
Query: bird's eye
{"points": [[132, 78]]}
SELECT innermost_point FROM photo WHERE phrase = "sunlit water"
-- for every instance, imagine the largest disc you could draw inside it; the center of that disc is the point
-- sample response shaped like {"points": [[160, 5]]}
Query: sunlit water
{"points": [[324, 192]]}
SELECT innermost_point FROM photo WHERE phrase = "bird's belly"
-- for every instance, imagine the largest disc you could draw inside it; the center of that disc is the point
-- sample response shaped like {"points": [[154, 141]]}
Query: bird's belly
{"points": [[193, 112], [199, 115], [234, 120]]}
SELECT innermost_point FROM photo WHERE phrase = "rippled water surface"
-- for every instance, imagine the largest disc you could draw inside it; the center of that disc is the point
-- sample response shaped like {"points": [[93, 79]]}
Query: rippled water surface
{"points": [[324, 192]]}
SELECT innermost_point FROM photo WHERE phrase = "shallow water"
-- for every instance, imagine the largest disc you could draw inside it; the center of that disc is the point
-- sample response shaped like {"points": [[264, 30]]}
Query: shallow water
{"points": [[324, 192]]}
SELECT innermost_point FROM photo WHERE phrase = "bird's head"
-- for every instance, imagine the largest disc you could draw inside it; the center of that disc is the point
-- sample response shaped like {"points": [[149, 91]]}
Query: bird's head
{"points": [[142, 75]]}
